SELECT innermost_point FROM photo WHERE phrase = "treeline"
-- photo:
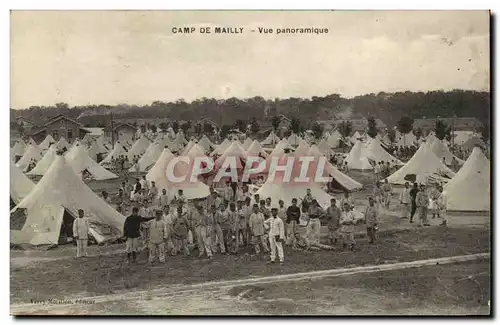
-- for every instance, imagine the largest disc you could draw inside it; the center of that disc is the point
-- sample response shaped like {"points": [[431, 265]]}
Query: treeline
{"points": [[389, 107]]}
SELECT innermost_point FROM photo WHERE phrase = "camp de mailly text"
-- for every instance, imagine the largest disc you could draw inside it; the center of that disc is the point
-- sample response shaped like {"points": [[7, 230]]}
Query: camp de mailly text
{"points": [[242, 30]]}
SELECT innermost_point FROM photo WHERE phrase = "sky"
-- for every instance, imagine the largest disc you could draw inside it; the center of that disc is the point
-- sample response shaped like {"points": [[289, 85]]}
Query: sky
{"points": [[133, 57]]}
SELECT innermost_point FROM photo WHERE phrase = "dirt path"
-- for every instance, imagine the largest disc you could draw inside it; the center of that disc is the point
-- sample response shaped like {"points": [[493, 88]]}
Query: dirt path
{"points": [[198, 294]]}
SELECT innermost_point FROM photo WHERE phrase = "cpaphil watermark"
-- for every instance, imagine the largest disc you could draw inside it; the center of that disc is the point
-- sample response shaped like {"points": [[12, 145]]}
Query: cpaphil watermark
{"points": [[286, 169]]}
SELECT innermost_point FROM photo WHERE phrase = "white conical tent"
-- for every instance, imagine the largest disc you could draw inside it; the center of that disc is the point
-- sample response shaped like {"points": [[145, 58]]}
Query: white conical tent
{"points": [[31, 153], [44, 164], [377, 153], [234, 150], [20, 184], [356, 159], [117, 151], [469, 190], [103, 143], [149, 158], [333, 139], [95, 149], [301, 150], [280, 189], [139, 147], [206, 144], [255, 149], [442, 151], [58, 191], [177, 144], [279, 150], [158, 174], [345, 182], [271, 139], [18, 149], [423, 164], [80, 161], [32, 142], [324, 148], [62, 143], [188, 147], [180, 138], [221, 147], [355, 137], [46, 143], [406, 140], [430, 138], [293, 140], [246, 144]]}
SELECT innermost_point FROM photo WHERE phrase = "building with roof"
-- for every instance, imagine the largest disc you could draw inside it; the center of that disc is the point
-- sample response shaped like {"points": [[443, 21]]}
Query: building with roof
{"points": [[123, 132], [58, 127], [456, 123]]}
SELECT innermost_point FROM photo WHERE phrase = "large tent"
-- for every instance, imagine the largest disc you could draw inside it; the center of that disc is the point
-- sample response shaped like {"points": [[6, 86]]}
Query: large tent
{"points": [[20, 184], [255, 149], [234, 150], [149, 158], [357, 159], [158, 174], [96, 149], [293, 140], [334, 139], [44, 164], [31, 153], [55, 201], [377, 153], [139, 147], [442, 151], [246, 144], [469, 190], [338, 178], [423, 164], [219, 150], [62, 143], [206, 144], [271, 139], [46, 143], [18, 149], [78, 158], [117, 151]]}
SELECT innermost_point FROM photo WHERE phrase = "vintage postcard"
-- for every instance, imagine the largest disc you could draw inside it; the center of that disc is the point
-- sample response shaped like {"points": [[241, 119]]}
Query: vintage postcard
{"points": [[250, 163]]}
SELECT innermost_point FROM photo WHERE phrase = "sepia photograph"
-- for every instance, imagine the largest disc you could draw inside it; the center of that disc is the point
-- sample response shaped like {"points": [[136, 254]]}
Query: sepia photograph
{"points": [[250, 163]]}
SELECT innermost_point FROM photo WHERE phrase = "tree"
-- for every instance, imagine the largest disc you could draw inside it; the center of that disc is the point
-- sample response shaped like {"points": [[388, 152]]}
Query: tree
{"points": [[143, 128], [372, 127], [240, 125], [153, 128], [208, 128], [317, 130], [295, 125], [224, 131], [345, 129], [185, 127], [441, 129], [405, 124], [392, 135], [275, 122], [175, 126], [254, 126]]}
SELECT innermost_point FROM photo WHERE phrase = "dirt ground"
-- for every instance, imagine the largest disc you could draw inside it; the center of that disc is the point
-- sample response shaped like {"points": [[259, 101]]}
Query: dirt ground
{"points": [[106, 274], [455, 289]]}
